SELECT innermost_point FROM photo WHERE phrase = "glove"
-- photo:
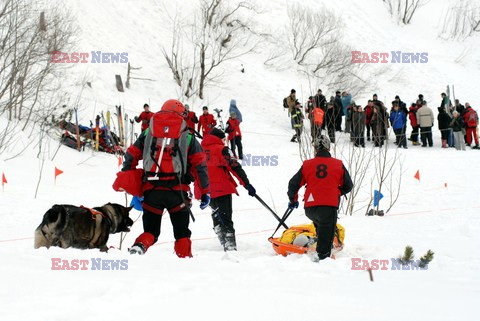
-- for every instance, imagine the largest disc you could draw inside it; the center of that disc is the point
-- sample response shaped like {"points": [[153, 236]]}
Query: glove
{"points": [[205, 201], [137, 203], [251, 190], [136, 118], [292, 205]]}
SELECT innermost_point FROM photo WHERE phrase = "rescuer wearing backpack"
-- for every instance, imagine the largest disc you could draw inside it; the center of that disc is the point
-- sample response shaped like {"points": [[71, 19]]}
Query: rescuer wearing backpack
{"points": [[221, 164], [172, 159], [326, 179]]}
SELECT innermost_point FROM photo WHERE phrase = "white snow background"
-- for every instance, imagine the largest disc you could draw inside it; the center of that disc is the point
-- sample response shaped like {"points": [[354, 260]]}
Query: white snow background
{"points": [[262, 286]]}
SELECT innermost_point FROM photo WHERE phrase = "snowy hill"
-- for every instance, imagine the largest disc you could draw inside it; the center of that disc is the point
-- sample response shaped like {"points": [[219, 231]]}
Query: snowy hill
{"points": [[439, 212]]}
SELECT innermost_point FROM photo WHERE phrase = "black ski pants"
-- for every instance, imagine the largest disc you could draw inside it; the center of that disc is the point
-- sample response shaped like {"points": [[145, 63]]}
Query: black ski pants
{"points": [[155, 202], [237, 142], [426, 134], [325, 221], [222, 213]]}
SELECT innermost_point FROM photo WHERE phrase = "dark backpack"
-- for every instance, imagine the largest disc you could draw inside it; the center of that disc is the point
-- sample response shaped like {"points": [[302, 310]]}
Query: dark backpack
{"points": [[166, 146], [285, 105]]}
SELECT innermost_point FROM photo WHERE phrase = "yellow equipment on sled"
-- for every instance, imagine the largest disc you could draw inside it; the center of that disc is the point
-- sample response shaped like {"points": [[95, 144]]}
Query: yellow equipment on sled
{"points": [[301, 239]]}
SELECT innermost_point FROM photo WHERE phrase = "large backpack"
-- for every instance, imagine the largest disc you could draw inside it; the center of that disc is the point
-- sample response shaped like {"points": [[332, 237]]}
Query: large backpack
{"points": [[165, 150], [318, 115], [472, 119], [285, 104]]}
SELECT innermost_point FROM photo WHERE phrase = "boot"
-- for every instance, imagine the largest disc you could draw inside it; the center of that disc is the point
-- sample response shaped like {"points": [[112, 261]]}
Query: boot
{"points": [[142, 243], [220, 233], [444, 143], [183, 247], [230, 242]]}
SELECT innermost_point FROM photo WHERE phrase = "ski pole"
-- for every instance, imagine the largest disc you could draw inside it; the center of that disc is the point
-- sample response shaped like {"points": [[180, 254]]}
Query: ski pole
{"points": [[271, 211], [284, 218]]}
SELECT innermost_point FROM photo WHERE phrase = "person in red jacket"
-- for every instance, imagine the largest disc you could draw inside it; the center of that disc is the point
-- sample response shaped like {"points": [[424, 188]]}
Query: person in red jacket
{"points": [[471, 122], [144, 117], [412, 115], [326, 179], [221, 164], [190, 118], [234, 134], [162, 193], [368, 117], [206, 122]]}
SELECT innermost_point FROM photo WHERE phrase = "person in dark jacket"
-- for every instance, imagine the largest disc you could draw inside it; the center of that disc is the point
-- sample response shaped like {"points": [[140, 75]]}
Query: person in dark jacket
{"points": [[329, 122], [221, 164], [376, 101], [458, 127], [443, 124], [338, 111], [172, 195], [368, 117], [144, 117], [358, 126], [326, 180], [297, 117], [378, 125], [320, 101], [398, 119]]}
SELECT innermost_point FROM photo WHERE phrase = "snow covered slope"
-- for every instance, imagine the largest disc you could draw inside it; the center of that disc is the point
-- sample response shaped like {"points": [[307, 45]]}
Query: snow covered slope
{"points": [[262, 286]]}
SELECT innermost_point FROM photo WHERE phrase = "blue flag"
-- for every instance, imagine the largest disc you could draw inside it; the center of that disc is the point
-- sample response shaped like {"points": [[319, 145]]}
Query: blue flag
{"points": [[377, 196], [137, 203]]}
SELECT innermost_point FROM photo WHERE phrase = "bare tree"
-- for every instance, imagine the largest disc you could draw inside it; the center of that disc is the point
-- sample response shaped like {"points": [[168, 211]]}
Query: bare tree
{"points": [[404, 10], [461, 20], [221, 31], [309, 30], [30, 84]]}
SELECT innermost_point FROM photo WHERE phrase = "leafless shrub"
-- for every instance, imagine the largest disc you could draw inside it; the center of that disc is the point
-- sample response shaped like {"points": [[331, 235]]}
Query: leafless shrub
{"points": [[221, 31], [30, 84], [461, 20], [404, 10]]}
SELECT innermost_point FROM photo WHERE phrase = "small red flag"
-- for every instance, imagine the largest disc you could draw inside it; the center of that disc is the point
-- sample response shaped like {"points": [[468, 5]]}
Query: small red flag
{"points": [[4, 180], [446, 185], [57, 172], [120, 161], [417, 175]]}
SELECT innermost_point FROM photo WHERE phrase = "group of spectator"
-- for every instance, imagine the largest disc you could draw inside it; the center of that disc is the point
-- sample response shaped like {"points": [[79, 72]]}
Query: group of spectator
{"points": [[458, 124]]}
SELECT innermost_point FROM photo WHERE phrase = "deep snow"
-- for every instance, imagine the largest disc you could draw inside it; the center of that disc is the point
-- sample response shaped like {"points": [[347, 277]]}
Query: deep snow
{"points": [[262, 286]]}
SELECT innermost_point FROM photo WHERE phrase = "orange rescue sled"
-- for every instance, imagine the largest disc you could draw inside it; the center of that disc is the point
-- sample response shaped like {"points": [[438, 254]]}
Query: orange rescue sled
{"points": [[283, 245]]}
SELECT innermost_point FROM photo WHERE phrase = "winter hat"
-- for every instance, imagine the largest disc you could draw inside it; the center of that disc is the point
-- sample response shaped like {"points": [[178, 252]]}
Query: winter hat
{"points": [[322, 142], [375, 95], [204, 108], [187, 107], [233, 114], [301, 240], [217, 132], [397, 97], [292, 91]]}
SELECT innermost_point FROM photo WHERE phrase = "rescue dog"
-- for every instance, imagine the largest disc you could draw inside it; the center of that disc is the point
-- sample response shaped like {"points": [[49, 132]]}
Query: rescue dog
{"points": [[80, 227]]}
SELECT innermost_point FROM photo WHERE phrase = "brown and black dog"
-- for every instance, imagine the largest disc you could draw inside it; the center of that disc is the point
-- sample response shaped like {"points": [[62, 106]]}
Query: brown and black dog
{"points": [[80, 227]]}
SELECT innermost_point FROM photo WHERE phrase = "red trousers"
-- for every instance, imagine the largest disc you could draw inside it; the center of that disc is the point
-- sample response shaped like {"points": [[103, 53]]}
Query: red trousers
{"points": [[471, 131]]}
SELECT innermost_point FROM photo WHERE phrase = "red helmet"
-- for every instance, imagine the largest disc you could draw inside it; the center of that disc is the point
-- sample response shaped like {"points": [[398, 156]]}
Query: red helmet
{"points": [[173, 105]]}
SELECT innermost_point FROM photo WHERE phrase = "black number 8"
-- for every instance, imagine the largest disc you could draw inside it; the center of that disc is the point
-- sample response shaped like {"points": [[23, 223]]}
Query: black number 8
{"points": [[321, 171]]}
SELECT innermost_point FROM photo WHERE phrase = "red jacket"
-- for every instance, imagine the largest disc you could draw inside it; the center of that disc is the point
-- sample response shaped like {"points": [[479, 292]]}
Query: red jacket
{"points": [[412, 115], [191, 120], [470, 118], [233, 128], [145, 119], [368, 114], [221, 164], [206, 122], [326, 179]]}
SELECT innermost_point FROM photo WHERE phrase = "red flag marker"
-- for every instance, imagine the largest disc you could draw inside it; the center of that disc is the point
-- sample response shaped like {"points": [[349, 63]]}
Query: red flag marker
{"points": [[57, 172], [417, 175], [446, 185], [4, 180]]}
